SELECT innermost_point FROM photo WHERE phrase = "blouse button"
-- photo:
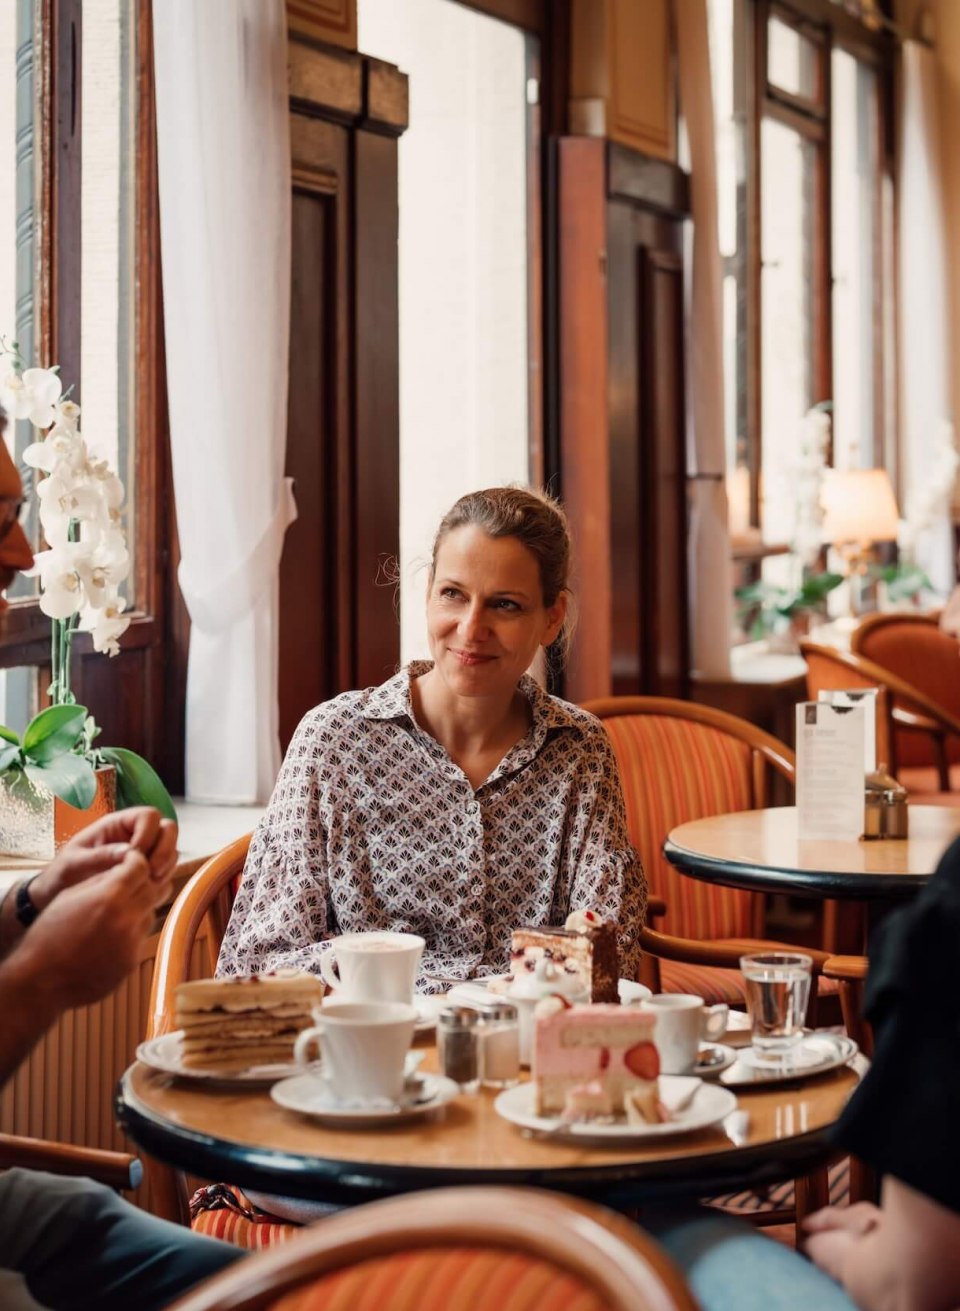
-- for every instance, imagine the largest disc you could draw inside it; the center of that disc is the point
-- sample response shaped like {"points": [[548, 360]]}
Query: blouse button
{"points": [[477, 889]]}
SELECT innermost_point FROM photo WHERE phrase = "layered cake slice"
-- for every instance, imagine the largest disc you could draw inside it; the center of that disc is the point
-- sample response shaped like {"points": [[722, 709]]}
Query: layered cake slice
{"points": [[232, 1024], [586, 947], [594, 1061]]}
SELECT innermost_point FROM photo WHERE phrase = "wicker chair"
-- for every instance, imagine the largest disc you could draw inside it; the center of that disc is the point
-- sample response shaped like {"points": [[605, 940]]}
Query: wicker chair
{"points": [[476, 1249]]}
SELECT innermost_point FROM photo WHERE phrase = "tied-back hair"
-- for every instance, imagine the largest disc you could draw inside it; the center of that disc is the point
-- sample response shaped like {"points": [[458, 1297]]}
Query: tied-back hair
{"points": [[536, 520]]}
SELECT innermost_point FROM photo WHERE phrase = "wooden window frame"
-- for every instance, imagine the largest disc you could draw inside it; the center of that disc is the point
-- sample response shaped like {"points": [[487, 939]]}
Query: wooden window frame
{"points": [[25, 632], [830, 27]]}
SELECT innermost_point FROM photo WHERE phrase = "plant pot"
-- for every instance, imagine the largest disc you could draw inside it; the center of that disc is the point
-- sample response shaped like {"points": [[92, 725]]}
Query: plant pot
{"points": [[34, 823]]}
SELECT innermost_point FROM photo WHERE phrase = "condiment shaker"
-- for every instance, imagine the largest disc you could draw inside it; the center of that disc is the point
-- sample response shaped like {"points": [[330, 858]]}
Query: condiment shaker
{"points": [[500, 1045], [458, 1046]]}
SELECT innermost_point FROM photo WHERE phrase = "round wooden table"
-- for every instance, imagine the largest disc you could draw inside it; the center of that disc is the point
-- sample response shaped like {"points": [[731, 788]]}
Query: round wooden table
{"points": [[759, 851], [243, 1137]]}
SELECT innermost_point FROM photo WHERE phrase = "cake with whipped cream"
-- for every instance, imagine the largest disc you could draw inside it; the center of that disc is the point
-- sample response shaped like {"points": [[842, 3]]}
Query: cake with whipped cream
{"points": [[595, 1062], [585, 948], [232, 1024]]}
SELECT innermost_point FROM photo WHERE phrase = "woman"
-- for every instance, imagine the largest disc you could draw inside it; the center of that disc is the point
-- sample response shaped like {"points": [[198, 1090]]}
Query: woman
{"points": [[457, 800]]}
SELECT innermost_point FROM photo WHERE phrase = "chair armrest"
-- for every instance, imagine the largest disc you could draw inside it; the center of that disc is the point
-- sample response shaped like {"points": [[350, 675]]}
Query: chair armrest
{"points": [[849, 969], [656, 908], [723, 955], [115, 1169]]}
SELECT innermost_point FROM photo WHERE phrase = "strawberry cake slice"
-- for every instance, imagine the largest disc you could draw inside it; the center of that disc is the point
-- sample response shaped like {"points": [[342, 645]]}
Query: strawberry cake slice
{"points": [[604, 1049]]}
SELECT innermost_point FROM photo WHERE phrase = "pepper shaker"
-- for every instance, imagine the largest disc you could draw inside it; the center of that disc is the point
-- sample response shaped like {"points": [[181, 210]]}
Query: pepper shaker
{"points": [[457, 1046], [500, 1046]]}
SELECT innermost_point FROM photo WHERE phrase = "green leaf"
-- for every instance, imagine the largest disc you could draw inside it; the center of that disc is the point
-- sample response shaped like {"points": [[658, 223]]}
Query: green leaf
{"points": [[9, 735], [8, 755], [53, 732], [138, 784], [67, 777]]}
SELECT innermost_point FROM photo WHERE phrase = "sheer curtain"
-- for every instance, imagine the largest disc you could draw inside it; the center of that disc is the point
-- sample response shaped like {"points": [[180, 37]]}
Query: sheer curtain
{"points": [[708, 551], [924, 324], [225, 199]]}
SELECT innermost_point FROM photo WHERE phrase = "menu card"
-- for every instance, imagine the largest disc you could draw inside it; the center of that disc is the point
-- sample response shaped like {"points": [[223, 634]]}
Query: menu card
{"points": [[830, 770], [867, 697]]}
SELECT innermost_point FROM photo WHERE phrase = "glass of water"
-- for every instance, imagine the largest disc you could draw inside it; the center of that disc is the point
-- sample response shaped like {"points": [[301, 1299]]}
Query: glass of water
{"points": [[778, 989]]}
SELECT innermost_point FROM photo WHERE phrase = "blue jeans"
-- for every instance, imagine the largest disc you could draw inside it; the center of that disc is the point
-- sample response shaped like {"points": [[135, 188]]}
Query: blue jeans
{"points": [[732, 1267], [78, 1245]]}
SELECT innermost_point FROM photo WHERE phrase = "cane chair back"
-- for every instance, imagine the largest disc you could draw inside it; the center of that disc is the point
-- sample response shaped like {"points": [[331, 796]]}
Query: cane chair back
{"points": [[476, 1249]]}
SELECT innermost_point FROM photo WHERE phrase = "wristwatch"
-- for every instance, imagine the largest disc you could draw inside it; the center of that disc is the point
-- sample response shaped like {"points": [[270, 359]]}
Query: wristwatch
{"points": [[26, 912]]}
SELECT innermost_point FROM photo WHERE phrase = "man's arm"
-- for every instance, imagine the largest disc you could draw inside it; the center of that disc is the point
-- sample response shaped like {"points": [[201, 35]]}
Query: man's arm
{"points": [[902, 1257], [85, 941]]}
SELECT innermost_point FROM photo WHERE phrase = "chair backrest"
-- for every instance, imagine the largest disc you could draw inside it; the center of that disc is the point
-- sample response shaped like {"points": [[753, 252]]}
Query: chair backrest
{"points": [[916, 649], [681, 761], [476, 1249], [205, 901]]}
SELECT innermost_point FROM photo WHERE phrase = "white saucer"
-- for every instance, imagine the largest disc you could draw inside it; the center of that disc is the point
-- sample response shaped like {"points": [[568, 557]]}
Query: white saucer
{"points": [[307, 1094], [712, 1059], [708, 1106], [166, 1054], [428, 1008], [816, 1053]]}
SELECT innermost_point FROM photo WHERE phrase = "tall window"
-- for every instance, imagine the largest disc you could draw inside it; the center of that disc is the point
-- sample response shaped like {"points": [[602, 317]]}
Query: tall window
{"points": [[805, 200], [470, 379], [68, 231]]}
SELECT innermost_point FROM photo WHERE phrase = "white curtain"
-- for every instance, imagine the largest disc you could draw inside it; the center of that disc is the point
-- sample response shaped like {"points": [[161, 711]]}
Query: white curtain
{"points": [[925, 351], [225, 202], [708, 552]]}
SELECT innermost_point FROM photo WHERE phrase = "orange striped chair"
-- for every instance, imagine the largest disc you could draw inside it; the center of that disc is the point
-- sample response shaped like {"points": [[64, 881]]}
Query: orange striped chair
{"points": [[188, 949], [473, 1249], [681, 761], [917, 651]]}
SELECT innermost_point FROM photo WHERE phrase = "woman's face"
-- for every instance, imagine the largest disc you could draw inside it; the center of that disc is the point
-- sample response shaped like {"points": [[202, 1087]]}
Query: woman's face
{"points": [[485, 612]]}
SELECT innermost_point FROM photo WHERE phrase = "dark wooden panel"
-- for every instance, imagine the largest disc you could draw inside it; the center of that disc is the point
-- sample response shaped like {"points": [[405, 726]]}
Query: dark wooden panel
{"points": [[377, 428], [653, 183], [307, 598], [666, 655], [629, 529]]}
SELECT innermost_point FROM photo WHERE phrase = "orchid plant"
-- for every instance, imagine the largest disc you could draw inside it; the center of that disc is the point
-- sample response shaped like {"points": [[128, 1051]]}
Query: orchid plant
{"points": [[81, 569]]}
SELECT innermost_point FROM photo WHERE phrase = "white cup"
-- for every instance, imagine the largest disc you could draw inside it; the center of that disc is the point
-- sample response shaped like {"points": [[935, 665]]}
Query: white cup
{"points": [[682, 1022], [363, 1046], [375, 966]]}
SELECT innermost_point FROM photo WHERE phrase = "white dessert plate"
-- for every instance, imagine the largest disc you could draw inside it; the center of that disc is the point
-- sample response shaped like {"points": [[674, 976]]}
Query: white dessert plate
{"points": [[816, 1053], [708, 1105], [478, 989], [308, 1094], [166, 1054]]}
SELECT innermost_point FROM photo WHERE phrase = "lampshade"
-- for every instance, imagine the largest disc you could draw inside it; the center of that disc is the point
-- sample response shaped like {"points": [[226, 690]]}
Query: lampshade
{"points": [[858, 506]]}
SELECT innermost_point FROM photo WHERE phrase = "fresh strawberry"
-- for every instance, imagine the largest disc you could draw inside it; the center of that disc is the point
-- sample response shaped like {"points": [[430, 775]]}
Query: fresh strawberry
{"points": [[643, 1060]]}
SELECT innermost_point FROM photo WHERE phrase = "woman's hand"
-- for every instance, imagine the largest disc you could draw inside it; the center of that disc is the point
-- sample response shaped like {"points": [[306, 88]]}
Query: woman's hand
{"points": [[833, 1232]]}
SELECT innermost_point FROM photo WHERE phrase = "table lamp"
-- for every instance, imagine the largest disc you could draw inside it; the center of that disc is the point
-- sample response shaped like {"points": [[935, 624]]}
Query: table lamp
{"points": [[858, 509]]}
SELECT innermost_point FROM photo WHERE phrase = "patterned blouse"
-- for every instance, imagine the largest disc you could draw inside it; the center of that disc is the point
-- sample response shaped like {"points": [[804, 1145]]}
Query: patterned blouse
{"points": [[372, 826]]}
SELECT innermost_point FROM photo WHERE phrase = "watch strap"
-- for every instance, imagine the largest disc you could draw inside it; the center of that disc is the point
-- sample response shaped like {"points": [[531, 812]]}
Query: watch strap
{"points": [[24, 908]]}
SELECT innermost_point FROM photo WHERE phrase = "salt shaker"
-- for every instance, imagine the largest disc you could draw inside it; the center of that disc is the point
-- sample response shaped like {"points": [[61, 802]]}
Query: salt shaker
{"points": [[457, 1046], [500, 1046]]}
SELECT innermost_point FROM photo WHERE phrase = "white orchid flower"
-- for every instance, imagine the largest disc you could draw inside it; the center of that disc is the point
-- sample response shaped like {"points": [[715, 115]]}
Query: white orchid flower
{"points": [[106, 626], [59, 572], [62, 445], [102, 571], [37, 393], [67, 415]]}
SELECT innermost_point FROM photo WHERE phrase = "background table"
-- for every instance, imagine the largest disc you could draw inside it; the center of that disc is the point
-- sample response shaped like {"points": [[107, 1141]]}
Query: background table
{"points": [[243, 1137], [759, 850]]}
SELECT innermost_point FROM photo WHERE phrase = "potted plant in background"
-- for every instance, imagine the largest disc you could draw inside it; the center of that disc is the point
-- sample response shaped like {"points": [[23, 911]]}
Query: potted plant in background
{"points": [[58, 762], [783, 615]]}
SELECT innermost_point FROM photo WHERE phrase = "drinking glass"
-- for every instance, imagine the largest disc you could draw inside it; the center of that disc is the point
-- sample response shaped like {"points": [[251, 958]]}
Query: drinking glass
{"points": [[778, 989]]}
